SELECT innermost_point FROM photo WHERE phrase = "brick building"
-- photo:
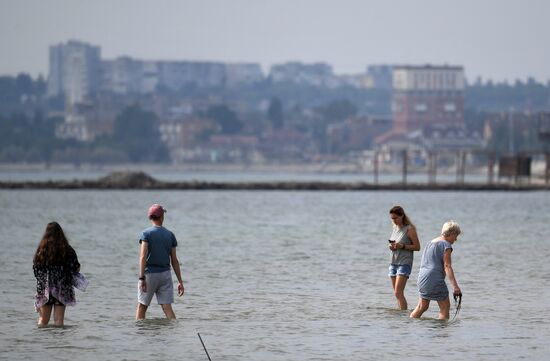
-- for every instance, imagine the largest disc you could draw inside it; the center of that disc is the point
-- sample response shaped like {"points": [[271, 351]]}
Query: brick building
{"points": [[426, 96]]}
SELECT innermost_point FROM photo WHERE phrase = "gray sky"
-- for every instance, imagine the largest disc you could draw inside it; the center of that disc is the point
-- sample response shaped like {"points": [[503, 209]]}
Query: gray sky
{"points": [[497, 39]]}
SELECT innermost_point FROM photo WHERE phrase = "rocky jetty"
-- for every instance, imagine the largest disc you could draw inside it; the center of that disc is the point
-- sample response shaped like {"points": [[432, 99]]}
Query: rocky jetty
{"points": [[141, 180], [131, 180]]}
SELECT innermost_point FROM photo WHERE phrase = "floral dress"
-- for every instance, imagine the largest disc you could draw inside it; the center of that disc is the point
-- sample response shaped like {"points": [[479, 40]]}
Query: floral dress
{"points": [[55, 282]]}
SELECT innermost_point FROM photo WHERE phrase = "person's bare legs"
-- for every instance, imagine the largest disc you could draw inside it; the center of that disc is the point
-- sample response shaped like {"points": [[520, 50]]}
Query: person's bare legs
{"points": [[44, 314], [58, 315], [392, 278], [444, 308], [140, 311], [421, 307], [399, 291], [168, 311]]}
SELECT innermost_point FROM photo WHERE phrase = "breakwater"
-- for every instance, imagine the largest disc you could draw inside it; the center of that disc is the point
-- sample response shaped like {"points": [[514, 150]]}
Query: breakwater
{"points": [[141, 180]]}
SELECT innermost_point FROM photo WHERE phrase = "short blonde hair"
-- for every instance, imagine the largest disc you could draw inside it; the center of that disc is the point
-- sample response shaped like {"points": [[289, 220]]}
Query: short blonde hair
{"points": [[450, 228]]}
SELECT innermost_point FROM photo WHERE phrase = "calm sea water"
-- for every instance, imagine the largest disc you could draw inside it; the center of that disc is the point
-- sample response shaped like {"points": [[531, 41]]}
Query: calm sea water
{"points": [[280, 276]]}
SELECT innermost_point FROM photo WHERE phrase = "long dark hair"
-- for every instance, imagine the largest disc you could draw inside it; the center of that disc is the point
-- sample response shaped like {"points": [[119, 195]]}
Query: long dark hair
{"points": [[54, 247], [398, 210]]}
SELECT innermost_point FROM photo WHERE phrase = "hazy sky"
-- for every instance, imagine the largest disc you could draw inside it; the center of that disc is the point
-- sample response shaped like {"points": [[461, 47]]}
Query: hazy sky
{"points": [[497, 39]]}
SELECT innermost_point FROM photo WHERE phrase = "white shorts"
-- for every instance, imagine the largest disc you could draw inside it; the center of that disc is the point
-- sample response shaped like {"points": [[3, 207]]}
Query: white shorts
{"points": [[159, 284]]}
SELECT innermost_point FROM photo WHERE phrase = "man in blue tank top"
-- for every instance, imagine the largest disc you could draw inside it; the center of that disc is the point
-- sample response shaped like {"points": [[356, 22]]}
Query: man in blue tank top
{"points": [[158, 251]]}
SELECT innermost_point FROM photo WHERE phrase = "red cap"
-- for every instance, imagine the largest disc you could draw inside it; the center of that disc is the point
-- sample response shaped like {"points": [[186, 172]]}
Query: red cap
{"points": [[156, 210]]}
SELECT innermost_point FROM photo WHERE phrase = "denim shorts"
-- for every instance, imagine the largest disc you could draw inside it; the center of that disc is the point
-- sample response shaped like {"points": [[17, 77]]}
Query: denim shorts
{"points": [[399, 270]]}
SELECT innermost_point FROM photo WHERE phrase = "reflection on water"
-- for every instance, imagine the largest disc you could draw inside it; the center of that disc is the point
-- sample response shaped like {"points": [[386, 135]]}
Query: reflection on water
{"points": [[280, 276]]}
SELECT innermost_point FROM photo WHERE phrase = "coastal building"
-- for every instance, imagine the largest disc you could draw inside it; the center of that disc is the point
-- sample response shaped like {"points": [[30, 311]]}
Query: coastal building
{"points": [[287, 145], [426, 96], [317, 74], [510, 133], [381, 76], [243, 73], [187, 132], [77, 72], [356, 133], [359, 81], [125, 75], [78, 123], [176, 75], [428, 114], [75, 69], [122, 76], [128, 76]]}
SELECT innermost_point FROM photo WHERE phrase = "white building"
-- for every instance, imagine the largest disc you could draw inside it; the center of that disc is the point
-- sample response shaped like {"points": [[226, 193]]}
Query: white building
{"points": [[317, 74], [236, 74], [75, 69], [126, 75], [178, 74]]}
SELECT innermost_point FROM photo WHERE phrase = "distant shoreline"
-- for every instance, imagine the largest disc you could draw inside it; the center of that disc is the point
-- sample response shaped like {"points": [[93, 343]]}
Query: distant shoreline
{"points": [[303, 168]]}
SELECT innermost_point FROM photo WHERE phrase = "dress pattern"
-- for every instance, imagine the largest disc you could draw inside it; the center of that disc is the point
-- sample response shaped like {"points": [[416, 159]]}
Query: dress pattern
{"points": [[56, 280]]}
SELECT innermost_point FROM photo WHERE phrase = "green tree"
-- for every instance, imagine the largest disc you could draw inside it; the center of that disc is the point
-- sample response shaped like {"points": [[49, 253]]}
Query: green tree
{"points": [[136, 133], [228, 120], [13, 90], [40, 86], [275, 113], [8, 92], [24, 84], [28, 138], [338, 110]]}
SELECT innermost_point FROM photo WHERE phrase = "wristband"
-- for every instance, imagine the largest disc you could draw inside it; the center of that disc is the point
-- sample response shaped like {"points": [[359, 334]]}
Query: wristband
{"points": [[142, 278]]}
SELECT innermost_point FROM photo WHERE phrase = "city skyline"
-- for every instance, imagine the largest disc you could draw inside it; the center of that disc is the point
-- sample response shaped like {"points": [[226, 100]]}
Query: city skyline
{"points": [[502, 46]]}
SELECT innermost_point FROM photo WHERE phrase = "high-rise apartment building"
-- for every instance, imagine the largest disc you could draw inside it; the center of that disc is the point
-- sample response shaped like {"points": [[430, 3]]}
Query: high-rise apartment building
{"points": [[75, 69]]}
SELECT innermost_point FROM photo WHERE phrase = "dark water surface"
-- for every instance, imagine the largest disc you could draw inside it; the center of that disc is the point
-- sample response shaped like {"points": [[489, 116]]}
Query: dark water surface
{"points": [[280, 276]]}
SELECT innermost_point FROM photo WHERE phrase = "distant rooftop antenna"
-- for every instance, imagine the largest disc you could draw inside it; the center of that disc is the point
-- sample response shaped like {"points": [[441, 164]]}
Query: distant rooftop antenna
{"points": [[511, 131]]}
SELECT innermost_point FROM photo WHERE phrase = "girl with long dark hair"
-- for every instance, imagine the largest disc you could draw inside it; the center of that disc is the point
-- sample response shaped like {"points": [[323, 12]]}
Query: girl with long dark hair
{"points": [[55, 264]]}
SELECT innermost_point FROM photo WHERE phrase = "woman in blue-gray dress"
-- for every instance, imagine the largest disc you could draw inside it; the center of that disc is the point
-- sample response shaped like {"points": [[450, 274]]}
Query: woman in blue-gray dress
{"points": [[435, 265]]}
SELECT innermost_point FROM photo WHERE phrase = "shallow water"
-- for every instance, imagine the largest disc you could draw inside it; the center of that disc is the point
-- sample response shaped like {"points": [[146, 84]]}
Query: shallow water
{"points": [[280, 276]]}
